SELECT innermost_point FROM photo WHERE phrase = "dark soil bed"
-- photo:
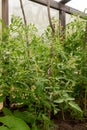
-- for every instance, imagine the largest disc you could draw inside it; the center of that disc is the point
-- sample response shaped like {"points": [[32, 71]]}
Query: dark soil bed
{"points": [[68, 123], [70, 126]]}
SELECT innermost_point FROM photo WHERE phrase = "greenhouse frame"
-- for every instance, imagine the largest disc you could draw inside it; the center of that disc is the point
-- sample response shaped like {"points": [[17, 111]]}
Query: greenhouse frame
{"points": [[61, 6]]}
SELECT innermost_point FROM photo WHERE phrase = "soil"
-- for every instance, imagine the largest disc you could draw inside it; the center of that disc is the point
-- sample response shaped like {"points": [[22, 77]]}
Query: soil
{"points": [[69, 124]]}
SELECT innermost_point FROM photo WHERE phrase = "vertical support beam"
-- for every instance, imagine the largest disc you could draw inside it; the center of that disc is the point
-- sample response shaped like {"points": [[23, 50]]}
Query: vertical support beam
{"points": [[62, 23], [5, 18], [5, 11], [62, 19]]}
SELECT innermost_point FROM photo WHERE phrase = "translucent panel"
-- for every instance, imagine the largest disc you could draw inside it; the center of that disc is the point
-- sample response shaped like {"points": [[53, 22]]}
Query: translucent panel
{"points": [[57, 0], [78, 4], [0, 12], [69, 18], [35, 13]]}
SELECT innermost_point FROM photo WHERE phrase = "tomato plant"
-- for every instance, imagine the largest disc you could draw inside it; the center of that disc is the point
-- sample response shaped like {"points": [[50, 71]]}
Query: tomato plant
{"points": [[24, 70]]}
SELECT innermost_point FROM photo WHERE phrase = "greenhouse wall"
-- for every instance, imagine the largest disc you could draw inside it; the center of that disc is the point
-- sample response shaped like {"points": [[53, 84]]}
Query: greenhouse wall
{"points": [[35, 13]]}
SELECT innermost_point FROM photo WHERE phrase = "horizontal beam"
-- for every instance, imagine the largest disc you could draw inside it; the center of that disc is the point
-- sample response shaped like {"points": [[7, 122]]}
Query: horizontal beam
{"points": [[64, 1], [60, 6]]}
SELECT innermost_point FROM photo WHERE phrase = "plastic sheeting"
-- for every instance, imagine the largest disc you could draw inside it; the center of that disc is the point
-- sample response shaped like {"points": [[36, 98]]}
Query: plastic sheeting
{"points": [[78, 4], [35, 13]]}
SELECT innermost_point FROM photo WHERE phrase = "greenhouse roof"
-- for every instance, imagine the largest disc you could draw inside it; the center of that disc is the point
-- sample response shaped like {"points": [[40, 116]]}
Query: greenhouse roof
{"points": [[77, 4], [67, 6]]}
